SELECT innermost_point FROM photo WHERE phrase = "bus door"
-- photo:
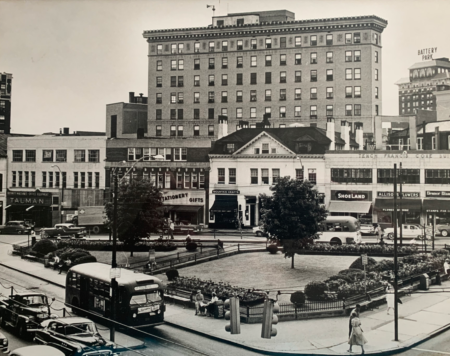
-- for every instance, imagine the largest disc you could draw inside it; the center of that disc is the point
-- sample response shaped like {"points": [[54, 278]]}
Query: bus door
{"points": [[84, 293]]}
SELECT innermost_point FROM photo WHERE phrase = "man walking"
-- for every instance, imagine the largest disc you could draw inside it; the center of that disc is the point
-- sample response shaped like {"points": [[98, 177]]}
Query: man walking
{"points": [[354, 314], [171, 228]]}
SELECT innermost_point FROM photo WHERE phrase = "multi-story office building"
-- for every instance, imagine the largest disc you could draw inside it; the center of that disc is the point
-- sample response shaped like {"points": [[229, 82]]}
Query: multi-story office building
{"points": [[418, 91], [50, 172], [250, 64], [5, 102]]}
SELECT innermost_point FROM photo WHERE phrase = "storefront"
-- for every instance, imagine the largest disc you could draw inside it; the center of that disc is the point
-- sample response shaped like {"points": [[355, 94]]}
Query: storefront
{"points": [[435, 206], [356, 203], [223, 214], [184, 206], [410, 205], [33, 206]]}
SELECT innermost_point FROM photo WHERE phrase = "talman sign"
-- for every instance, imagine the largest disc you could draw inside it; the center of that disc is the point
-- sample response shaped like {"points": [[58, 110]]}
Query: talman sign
{"points": [[29, 198]]}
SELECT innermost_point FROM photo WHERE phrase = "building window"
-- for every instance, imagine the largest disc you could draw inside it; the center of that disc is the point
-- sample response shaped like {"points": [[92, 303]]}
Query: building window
{"points": [[253, 44], [158, 98], [376, 109], [268, 43], [351, 176], [348, 92], [299, 174], [329, 57], [357, 56], [357, 109], [282, 94], [196, 80], [173, 98], [196, 130], [409, 176], [268, 95], [180, 154], [33, 179], [196, 63], [224, 46], [17, 156], [14, 179], [239, 96], [180, 98], [348, 110], [314, 76], [224, 79], [47, 155], [297, 111], [211, 130], [210, 113], [180, 64], [282, 59], [231, 175], [420, 143], [159, 49], [313, 112], [329, 40], [239, 62], [239, 45], [159, 66], [220, 175], [252, 112], [348, 38], [90, 181], [329, 110], [173, 114], [180, 81], [282, 111], [239, 113], [173, 81], [268, 112], [180, 131], [282, 77], [275, 175], [376, 74], [312, 175], [75, 179], [313, 40], [224, 97], [253, 176], [357, 37], [80, 155], [211, 46], [348, 74], [376, 56], [268, 78], [268, 61], [253, 78], [357, 92], [27, 179], [158, 114], [330, 94], [97, 180], [298, 94], [173, 64], [348, 56], [252, 95], [313, 58], [265, 176], [298, 76], [298, 41], [173, 48], [357, 73], [158, 130], [282, 42], [239, 78], [210, 97], [21, 179], [298, 58], [158, 82], [253, 61], [313, 92], [329, 75], [44, 179], [196, 47], [211, 63], [196, 114]]}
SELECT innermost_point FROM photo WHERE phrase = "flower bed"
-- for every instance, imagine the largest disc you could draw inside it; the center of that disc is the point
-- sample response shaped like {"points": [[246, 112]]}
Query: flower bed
{"points": [[357, 249], [222, 290], [142, 246]]}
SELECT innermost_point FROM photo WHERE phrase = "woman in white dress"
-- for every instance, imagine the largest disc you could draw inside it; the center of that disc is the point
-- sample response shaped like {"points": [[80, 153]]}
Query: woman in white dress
{"points": [[390, 297], [357, 336]]}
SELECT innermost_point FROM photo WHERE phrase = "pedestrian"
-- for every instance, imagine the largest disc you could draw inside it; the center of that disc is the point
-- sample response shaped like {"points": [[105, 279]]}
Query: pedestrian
{"points": [[357, 336], [219, 244], [381, 241], [65, 265], [198, 299], [447, 266], [171, 228], [379, 232], [354, 314], [390, 297]]}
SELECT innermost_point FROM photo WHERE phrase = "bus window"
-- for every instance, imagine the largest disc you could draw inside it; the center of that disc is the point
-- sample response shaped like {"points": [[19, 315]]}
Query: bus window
{"points": [[150, 297]]}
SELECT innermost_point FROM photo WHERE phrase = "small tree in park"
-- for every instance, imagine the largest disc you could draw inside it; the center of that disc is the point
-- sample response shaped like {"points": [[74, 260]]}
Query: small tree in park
{"points": [[139, 211], [292, 213]]}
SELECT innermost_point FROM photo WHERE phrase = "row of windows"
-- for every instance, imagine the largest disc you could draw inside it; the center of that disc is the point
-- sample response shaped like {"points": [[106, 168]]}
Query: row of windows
{"points": [[93, 156], [267, 43], [262, 175], [79, 180], [178, 131], [178, 64], [151, 154], [170, 180], [178, 98], [350, 74]]}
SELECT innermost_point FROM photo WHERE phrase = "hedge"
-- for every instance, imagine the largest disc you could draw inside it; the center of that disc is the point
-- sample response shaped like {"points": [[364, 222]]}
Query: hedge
{"points": [[142, 246]]}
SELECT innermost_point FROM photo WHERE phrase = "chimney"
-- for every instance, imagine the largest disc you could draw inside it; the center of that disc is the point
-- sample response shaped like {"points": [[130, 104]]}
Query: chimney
{"points": [[223, 127], [359, 134], [66, 131], [345, 134], [436, 137], [131, 96], [331, 133]]}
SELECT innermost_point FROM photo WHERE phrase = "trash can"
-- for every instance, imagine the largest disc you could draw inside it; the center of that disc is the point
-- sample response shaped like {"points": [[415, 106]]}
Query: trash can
{"points": [[424, 282], [219, 312], [46, 261]]}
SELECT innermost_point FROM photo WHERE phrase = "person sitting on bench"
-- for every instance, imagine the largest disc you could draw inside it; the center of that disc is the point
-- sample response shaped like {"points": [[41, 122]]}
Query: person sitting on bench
{"points": [[65, 265], [210, 305]]}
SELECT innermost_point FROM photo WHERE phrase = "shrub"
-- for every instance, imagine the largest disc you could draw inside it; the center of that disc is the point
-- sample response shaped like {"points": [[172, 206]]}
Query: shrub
{"points": [[352, 273], [439, 253], [384, 265], [339, 277], [79, 254], [298, 298], [357, 264], [172, 274], [84, 259], [273, 249], [315, 290], [191, 246], [44, 246]]}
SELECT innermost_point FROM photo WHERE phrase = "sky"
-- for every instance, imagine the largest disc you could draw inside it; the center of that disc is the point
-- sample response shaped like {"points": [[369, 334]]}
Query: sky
{"points": [[71, 58]]}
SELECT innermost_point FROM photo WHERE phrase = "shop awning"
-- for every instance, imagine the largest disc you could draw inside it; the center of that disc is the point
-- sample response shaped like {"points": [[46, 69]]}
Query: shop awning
{"points": [[186, 208], [29, 208], [361, 207], [407, 204], [8, 206], [436, 206], [224, 204]]}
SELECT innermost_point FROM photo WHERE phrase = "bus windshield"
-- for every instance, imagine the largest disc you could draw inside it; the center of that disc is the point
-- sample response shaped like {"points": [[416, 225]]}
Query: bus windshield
{"points": [[149, 297]]}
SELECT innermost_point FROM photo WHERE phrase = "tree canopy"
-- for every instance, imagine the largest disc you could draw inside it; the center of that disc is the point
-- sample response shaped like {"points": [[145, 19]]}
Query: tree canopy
{"points": [[292, 213], [139, 210]]}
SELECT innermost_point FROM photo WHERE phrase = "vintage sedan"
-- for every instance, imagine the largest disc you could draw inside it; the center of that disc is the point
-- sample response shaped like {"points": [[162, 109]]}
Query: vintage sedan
{"points": [[408, 231], [63, 230], [3, 343], [37, 350], [74, 336], [15, 227], [443, 229]]}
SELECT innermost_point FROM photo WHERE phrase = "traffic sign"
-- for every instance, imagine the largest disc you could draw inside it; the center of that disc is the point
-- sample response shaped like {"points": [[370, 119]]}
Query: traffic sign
{"points": [[365, 260]]}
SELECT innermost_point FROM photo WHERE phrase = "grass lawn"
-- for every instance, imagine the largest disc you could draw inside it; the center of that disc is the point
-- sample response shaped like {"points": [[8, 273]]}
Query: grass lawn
{"points": [[264, 271]]}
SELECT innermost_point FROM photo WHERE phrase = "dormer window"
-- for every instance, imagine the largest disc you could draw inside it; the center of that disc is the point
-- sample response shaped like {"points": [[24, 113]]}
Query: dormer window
{"points": [[265, 148], [230, 148], [256, 150]]}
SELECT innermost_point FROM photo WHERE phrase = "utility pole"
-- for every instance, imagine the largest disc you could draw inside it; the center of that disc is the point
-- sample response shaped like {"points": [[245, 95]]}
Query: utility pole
{"points": [[114, 262], [395, 258], [401, 207]]}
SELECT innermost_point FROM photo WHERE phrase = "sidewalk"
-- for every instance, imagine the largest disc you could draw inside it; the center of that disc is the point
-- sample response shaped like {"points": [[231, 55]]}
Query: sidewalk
{"points": [[421, 316]]}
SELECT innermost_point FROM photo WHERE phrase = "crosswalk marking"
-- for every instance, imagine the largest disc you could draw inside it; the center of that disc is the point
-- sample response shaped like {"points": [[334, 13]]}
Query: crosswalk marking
{"points": [[432, 351]]}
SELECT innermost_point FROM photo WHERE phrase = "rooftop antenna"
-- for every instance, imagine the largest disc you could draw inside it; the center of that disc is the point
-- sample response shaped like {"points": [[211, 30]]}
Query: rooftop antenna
{"points": [[213, 9]]}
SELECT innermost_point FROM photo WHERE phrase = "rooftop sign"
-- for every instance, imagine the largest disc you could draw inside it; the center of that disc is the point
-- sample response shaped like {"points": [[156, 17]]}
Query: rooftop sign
{"points": [[427, 53]]}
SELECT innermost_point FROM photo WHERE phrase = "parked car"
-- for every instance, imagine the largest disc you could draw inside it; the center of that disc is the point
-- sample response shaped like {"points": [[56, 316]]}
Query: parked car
{"points": [[443, 229], [74, 336], [15, 227], [36, 350], [409, 231], [3, 342], [63, 230], [259, 231], [368, 229]]}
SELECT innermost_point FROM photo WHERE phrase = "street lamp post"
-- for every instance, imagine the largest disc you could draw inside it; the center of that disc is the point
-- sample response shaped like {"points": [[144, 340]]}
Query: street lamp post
{"points": [[62, 192], [395, 257]]}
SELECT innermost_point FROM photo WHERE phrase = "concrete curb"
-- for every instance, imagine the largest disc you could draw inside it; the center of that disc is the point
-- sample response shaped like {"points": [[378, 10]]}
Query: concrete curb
{"points": [[33, 275]]}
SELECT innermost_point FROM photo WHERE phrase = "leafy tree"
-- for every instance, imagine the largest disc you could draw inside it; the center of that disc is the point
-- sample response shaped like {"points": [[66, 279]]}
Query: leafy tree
{"points": [[292, 213], [139, 211]]}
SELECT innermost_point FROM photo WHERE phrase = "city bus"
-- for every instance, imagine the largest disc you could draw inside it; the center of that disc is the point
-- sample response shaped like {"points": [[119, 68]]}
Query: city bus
{"points": [[140, 297], [339, 229]]}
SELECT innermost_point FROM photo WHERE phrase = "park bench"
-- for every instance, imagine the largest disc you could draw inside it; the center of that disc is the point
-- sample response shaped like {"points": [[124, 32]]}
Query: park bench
{"points": [[366, 301]]}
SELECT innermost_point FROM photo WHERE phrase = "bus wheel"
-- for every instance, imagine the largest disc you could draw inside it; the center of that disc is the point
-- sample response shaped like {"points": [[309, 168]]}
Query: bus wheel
{"points": [[444, 233], [335, 241], [96, 229], [390, 236]]}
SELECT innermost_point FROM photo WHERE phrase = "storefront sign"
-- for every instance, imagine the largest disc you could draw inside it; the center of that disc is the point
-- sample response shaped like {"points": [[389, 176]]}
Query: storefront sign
{"points": [[405, 194], [223, 191], [29, 198], [441, 193], [404, 155], [427, 53], [348, 195], [179, 197]]}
